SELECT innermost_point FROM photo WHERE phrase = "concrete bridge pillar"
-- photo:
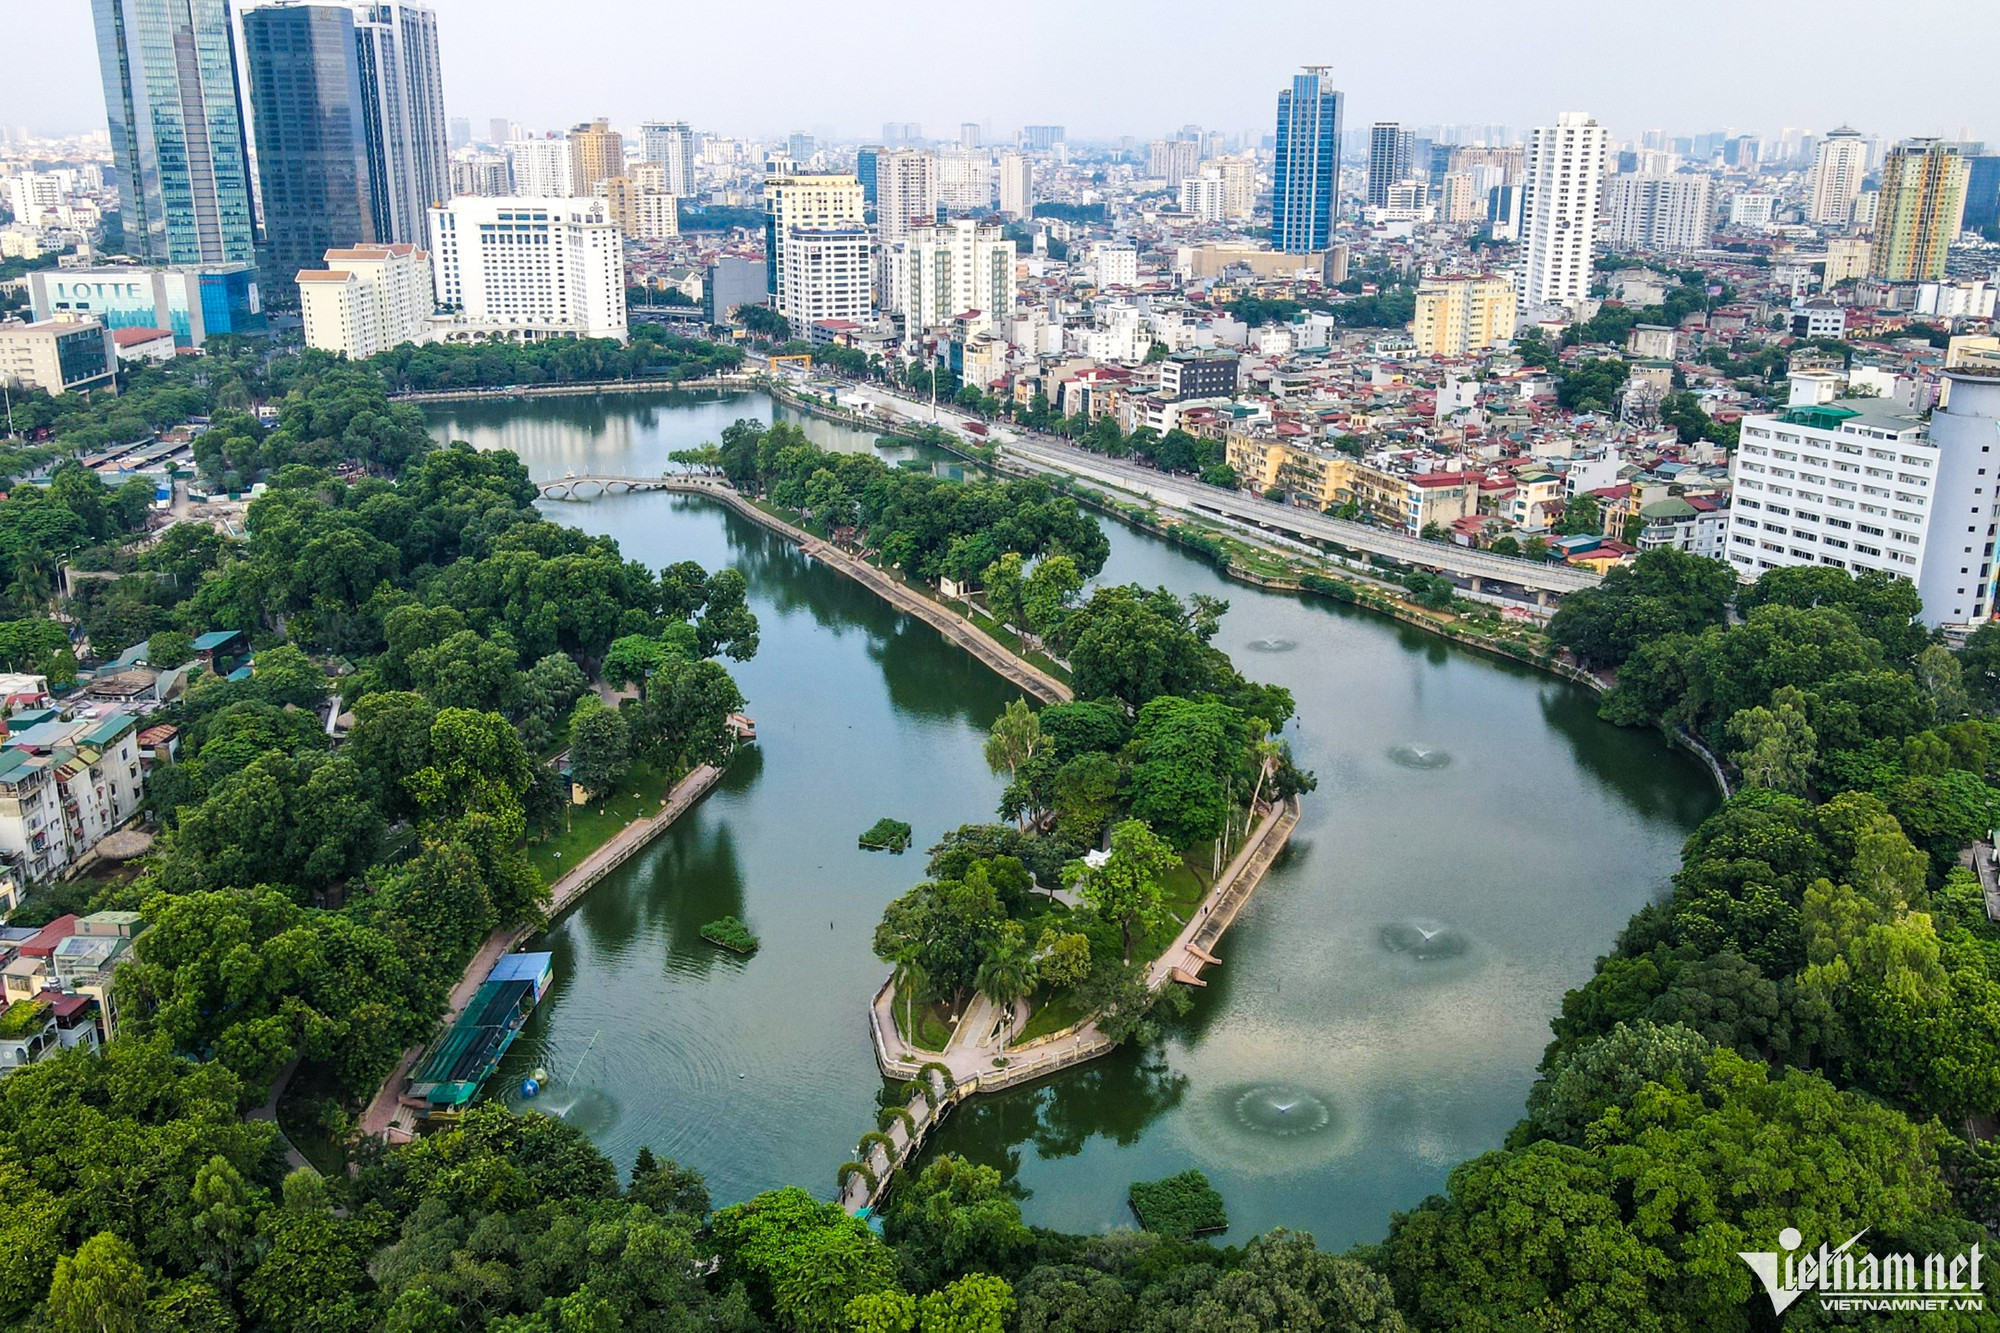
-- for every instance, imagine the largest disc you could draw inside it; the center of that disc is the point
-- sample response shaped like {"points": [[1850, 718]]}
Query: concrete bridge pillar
{"points": [[1474, 585], [1541, 597]]}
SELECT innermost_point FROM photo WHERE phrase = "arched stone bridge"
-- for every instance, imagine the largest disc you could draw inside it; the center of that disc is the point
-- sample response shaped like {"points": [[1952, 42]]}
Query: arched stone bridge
{"points": [[591, 486]]}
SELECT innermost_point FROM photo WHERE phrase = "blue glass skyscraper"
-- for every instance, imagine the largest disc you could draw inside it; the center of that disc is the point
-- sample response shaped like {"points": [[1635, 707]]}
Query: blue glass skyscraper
{"points": [[170, 96], [1305, 184], [1982, 194]]}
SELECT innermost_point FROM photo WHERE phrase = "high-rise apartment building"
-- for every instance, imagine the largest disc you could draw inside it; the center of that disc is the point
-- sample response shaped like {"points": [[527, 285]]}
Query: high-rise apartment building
{"points": [[1041, 138], [1839, 163], [906, 193], [367, 299], [529, 269], [1305, 183], [965, 180], [596, 153], [939, 273], [177, 133], [348, 111], [1172, 160], [1116, 263], [829, 274], [541, 168], [1666, 213], [1921, 210], [969, 135], [639, 204], [1459, 198], [1017, 185], [1239, 186], [1458, 316], [1564, 170], [481, 173], [804, 203], [1389, 148], [1202, 197], [671, 144]]}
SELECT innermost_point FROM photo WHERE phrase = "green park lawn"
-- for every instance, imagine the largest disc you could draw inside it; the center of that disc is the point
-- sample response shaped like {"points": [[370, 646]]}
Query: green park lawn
{"points": [[638, 793]]}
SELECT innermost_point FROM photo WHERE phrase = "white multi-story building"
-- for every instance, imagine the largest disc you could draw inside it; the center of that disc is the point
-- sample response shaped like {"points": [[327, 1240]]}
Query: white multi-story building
{"points": [[1203, 196], [1017, 185], [528, 268], [640, 204], [481, 173], [965, 180], [1116, 263], [1660, 212], [939, 273], [367, 299], [829, 274], [804, 203], [1239, 186], [541, 168], [1839, 163], [1565, 168], [1852, 486], [671, 145], [1752, 209], [1961, 579], [906, 193]]}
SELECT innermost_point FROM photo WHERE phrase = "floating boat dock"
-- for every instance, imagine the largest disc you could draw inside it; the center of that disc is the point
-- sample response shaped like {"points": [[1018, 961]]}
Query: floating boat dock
{"points": [[466, 1056]]}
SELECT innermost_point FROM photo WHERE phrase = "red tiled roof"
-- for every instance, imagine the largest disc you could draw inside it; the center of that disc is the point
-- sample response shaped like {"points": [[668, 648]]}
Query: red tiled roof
{"points": [[133, 337], [42, 944]]}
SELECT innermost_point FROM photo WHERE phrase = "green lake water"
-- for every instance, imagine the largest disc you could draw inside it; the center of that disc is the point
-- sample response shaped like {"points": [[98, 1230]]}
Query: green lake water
{"points": [[1477, 839]]}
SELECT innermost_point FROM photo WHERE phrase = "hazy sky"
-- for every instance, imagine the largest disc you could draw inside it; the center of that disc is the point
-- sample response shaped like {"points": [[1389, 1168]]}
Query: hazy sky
{"points": [[1143, 67]]}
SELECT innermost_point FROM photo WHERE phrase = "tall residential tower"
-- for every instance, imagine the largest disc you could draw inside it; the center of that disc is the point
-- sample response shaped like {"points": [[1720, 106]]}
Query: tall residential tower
{"points": [[1839, 163], [1565, 167], [1921, 210], [1389, 147]]}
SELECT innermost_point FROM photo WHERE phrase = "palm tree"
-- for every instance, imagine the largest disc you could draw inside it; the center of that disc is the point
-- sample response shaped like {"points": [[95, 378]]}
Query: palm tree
{"points": [[1007, 972], [909, 978]]}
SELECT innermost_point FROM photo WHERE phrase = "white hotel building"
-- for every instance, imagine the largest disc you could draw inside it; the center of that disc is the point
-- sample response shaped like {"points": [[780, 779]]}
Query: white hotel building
{"points": [[1858, 486], [528, 269]]}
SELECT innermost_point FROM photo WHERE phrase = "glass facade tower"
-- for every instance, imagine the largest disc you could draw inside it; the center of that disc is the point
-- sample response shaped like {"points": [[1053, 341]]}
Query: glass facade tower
{"points": [[176, 126], [1305, 183]]}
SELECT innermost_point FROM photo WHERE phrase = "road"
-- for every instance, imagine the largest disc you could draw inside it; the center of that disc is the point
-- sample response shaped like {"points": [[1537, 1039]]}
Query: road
{"points": [[1186, 494]]}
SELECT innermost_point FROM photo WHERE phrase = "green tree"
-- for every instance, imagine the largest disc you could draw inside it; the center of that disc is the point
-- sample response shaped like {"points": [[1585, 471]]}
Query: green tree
{"points": [[953, 1219], [169, 648], [1663, 592], [600, 746], [1582, 516], [1016, 738], [99, 1289], [1775, 746], [284, 675], [1003, 590], [225, 1219], [803, 1261], [1007, 966], [1127, 889], [978, 1303]]}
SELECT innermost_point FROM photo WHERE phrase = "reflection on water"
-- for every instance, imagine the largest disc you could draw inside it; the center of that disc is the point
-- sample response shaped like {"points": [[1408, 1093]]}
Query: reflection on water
{"points": [[1466, 797]]}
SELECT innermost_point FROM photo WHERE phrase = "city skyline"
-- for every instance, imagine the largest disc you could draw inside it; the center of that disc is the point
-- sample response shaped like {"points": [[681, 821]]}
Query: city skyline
{"points": [[1762, 70]]}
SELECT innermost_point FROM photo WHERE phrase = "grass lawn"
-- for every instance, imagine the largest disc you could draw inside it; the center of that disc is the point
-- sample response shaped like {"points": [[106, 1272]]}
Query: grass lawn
{"points": [[638, 793], [1052, 1014], [933, 1024], [1182, 895]]}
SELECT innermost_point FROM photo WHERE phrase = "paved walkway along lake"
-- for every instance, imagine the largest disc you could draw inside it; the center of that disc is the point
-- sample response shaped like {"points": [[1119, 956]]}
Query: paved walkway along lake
{"points": [[1477, 840]]}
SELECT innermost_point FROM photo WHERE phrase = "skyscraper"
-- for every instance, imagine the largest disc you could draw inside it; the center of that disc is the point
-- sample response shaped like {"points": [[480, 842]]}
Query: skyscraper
{"points": [[938, 273], [349, 117], [969, 135], [1839, 163], [1921, 209], [176, 125], [1565, 164], [671, 144], [312, 137], [596, 153], [1017, 185], [799, 147], [906, 193], [1041, 138], [1305, 183], [1982, 193], [1389, 146]]}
